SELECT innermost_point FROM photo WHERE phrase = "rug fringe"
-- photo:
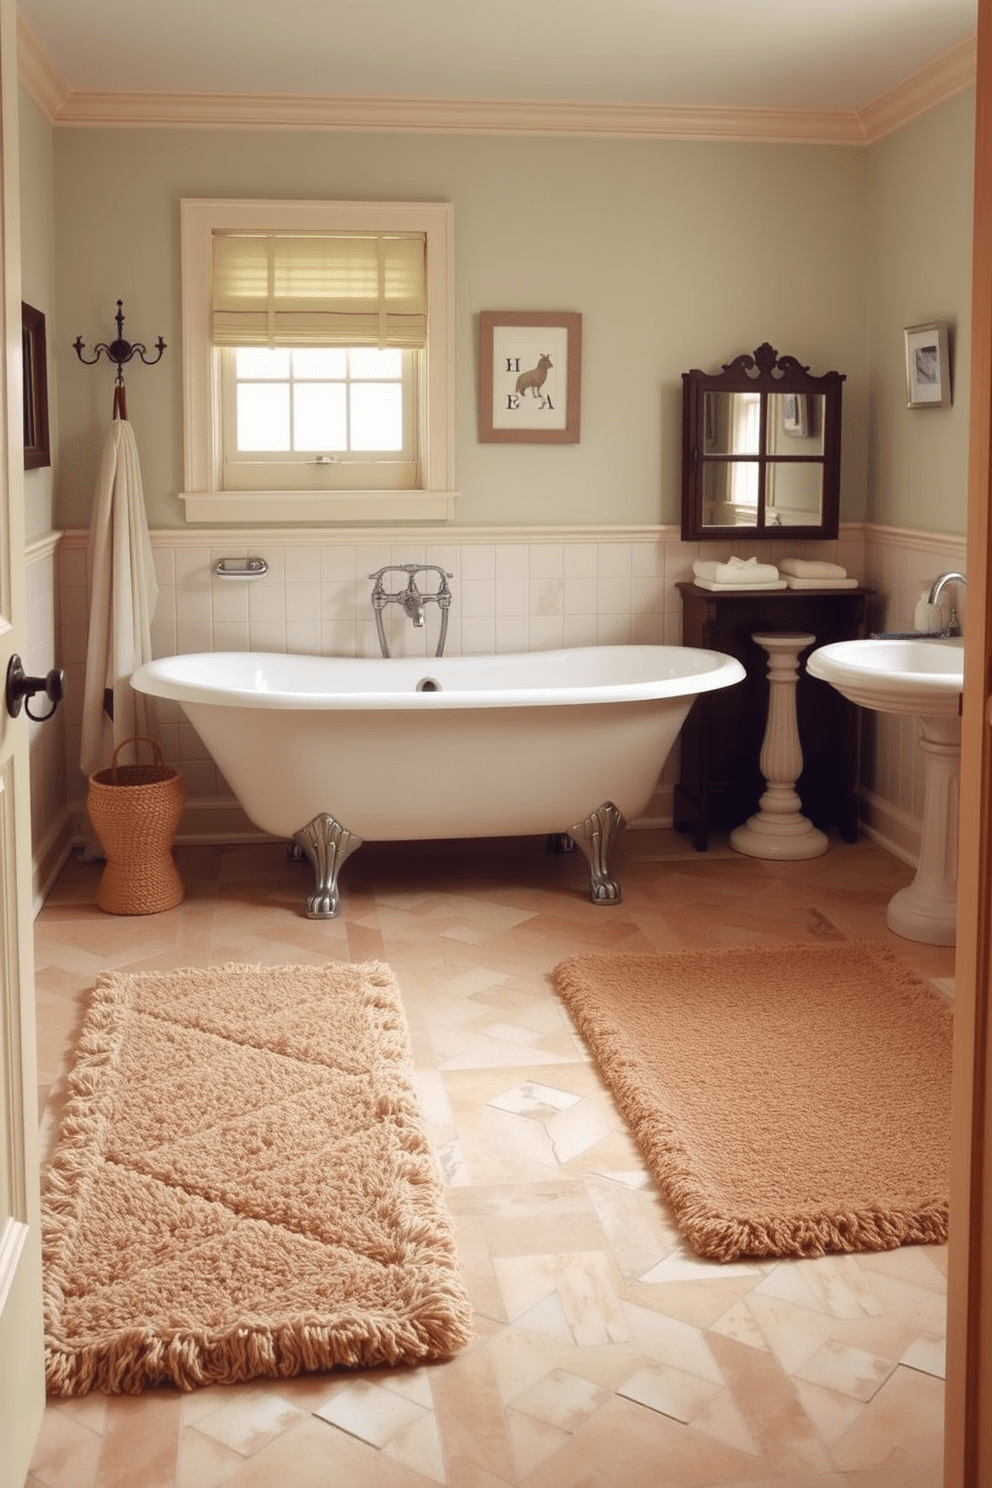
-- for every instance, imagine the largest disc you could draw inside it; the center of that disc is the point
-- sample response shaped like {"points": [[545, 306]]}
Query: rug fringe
{"points": [[137, 1359]]}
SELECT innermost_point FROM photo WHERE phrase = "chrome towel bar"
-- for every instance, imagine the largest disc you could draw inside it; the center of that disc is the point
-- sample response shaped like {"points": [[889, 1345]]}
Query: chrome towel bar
{"points": [[241, 568]]}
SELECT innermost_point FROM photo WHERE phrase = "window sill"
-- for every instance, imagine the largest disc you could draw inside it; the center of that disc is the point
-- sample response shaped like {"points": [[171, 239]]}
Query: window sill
{"points": [[319, 507]]}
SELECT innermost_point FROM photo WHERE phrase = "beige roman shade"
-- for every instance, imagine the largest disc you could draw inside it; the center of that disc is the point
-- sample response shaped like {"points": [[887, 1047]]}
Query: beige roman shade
{"points": [[307, 289]]}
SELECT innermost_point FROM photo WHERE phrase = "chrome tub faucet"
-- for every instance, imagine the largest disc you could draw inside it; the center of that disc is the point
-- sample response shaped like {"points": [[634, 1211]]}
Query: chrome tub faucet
{"points": [[411, 599]]}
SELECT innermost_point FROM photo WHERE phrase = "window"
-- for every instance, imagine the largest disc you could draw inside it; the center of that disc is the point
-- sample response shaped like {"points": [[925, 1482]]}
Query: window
{"points": [[317, 361], [285, 409]]}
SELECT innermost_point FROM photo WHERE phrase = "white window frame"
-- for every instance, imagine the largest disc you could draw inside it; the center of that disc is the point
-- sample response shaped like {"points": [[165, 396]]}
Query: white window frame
{"points": [[204, 498]]}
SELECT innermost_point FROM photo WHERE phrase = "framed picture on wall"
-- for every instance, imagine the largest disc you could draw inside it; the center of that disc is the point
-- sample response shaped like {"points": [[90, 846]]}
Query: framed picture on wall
{"points": [[35, 366], [928, 368], [530, 368]]}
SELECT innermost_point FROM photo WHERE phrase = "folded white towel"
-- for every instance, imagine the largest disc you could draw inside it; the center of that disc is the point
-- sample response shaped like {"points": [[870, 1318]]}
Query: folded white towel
{"points": [[741, 588], [795, 583], [736, 571], [812, 568]]}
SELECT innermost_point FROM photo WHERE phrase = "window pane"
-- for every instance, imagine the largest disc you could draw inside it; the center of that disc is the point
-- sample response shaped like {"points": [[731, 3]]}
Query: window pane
{"points": [[261, 361], [368, 361], [319, 416], [322, 361], [263, 416], [376, 416]]}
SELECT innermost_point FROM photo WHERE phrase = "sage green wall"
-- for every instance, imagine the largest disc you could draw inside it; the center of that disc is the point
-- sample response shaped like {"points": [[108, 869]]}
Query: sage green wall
{"points": [[38, 279], [921, 215], [677, 253]]}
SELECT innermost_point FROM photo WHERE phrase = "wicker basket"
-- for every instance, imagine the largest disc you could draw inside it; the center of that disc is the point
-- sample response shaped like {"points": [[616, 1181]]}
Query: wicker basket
{"points": [[135, 810]]}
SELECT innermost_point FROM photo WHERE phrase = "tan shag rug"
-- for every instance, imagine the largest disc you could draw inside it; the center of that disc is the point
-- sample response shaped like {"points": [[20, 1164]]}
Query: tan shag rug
{"points": [[789, 1100], [243, 1185]]}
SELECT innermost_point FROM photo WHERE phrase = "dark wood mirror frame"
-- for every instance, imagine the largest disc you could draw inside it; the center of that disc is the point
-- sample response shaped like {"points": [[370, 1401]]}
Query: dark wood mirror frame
{"points": [[35, 359], [764, 372]]}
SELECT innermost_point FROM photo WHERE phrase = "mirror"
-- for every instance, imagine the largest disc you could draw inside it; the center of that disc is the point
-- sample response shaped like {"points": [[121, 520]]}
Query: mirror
{"points": [[760, 449]]}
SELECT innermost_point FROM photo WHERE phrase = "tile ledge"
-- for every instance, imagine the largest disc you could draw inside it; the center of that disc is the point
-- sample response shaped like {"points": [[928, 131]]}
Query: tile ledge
{"points": [[668, 533]]}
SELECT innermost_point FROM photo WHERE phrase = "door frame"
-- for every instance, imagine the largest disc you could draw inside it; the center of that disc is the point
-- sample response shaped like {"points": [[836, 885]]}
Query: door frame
{"points": [[22, 1373], [968, 1405]]}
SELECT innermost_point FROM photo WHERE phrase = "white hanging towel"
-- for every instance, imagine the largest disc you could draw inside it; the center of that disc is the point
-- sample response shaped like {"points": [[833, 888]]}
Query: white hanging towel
{"points": [[122, 602]]}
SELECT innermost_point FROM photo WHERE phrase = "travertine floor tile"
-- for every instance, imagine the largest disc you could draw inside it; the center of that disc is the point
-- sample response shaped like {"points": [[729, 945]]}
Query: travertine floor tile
{"points": [[606, 1354]]}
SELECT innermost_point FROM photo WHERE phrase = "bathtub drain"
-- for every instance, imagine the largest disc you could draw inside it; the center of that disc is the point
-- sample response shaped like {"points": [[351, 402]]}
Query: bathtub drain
{"points": [[428, 684]]}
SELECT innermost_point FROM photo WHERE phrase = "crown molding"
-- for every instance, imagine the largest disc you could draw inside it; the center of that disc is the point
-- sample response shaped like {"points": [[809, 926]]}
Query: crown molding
{"points": [[459, 116], [943, 78], [38, 76]]}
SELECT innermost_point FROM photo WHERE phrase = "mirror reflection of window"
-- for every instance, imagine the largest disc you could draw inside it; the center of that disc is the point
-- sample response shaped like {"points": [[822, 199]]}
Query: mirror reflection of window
{"points": [[730, 499], [746, 423], [732, 423], [746, 440]]}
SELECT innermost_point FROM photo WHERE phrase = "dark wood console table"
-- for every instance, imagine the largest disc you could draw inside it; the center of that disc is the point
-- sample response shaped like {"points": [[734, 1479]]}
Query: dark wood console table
{"points": [[720, 780]]}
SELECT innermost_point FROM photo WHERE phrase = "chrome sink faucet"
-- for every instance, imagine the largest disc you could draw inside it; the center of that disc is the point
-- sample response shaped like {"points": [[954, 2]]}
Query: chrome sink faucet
{"points": [[952, 628], [411, 599]]}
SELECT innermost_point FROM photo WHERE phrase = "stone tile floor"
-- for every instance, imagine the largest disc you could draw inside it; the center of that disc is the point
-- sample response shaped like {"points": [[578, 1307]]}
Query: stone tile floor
{"points": [[605, 1354]]}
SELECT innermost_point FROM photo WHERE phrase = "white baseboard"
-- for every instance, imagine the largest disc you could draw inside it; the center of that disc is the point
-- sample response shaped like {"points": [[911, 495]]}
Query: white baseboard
{"points": [[49, 857], [891, 827]]}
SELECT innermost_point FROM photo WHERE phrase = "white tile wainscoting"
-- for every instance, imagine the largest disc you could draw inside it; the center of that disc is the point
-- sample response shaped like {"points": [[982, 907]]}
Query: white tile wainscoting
{"points": [[513, 590]]}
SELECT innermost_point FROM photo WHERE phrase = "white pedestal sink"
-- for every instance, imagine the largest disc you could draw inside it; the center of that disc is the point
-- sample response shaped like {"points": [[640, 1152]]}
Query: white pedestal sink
{"points": [[922, 678]]}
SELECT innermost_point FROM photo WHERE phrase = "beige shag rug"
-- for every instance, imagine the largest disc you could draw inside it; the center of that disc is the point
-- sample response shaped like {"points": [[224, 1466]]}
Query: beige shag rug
{"points": [[789, 1100], [243, 1185]]}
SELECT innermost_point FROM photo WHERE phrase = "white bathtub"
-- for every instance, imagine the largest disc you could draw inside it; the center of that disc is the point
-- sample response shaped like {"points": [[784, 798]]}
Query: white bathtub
{"points": [[333, 751]]}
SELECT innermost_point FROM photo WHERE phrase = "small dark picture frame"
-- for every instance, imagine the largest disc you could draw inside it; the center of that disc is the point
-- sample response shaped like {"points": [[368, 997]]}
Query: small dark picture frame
{"points": [[36, 448], [795, 414]]}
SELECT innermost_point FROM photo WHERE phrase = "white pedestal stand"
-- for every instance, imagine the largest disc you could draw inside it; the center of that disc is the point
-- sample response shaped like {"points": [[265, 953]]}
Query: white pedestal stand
{"points": [[926, 909], [779, 829]]}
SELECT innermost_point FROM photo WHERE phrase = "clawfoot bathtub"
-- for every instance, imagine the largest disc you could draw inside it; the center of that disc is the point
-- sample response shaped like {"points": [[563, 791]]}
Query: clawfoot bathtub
{"points": [[334, 751]]}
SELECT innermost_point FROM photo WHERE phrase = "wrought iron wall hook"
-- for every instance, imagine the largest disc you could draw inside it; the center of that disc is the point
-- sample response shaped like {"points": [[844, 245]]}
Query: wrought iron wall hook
{"points": [[119, 351]]}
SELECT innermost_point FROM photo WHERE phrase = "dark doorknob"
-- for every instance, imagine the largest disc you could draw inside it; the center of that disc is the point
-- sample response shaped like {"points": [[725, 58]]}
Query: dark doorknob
{"points": [[20, 687]]}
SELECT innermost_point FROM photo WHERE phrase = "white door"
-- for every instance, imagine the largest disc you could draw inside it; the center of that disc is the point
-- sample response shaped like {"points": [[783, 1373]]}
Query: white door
{"points": [[22, 1395]]}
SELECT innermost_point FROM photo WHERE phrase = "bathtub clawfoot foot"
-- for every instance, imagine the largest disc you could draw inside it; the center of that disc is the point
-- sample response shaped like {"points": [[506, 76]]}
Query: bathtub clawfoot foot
{"points": [[594, 836], [328, 845]]}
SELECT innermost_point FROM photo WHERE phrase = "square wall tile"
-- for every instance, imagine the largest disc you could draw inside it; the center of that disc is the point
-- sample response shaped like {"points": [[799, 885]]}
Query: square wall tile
{"points": [[478, 562], [579, 560], [546, 561], [613, 560], [302, 565]]}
